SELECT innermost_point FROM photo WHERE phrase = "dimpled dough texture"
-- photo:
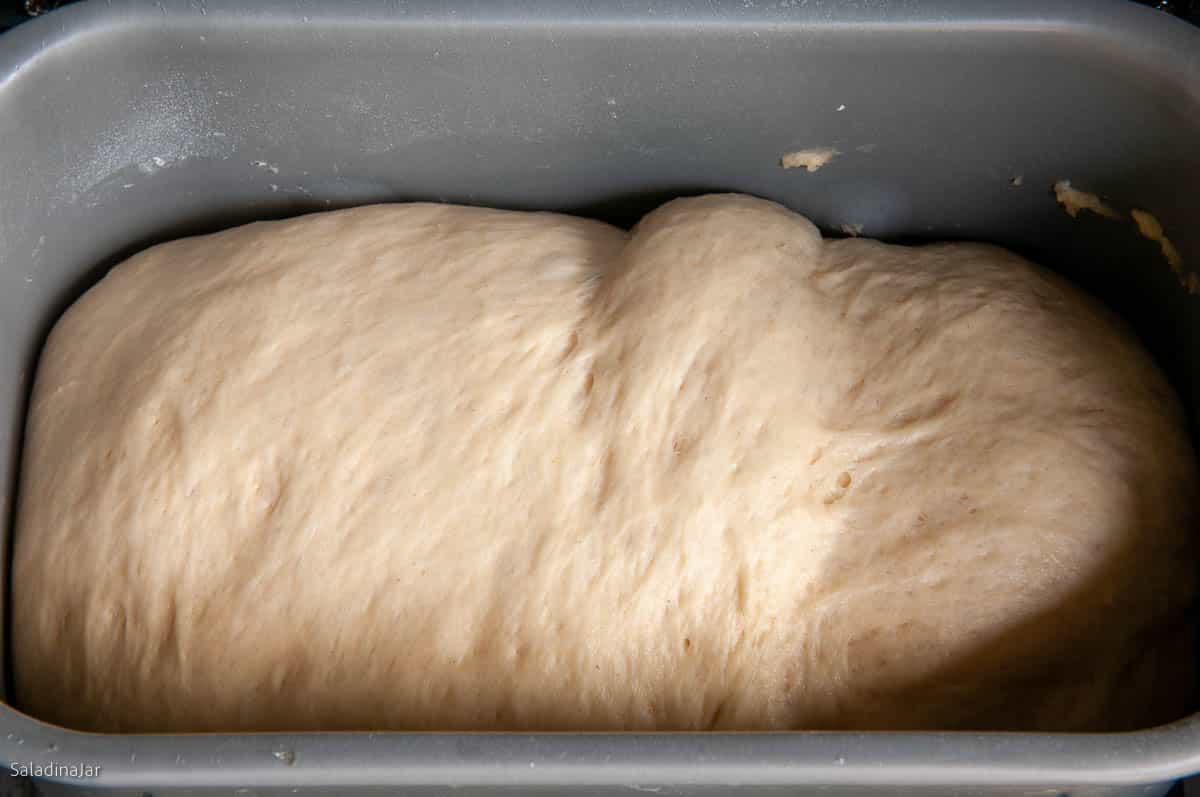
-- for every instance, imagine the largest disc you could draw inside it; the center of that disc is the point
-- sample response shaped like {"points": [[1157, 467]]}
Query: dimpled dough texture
{"points": [[430, 467]]}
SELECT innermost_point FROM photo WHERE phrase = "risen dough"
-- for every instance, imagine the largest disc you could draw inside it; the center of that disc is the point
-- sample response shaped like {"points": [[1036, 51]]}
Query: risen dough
{"points": [[430, 467]]}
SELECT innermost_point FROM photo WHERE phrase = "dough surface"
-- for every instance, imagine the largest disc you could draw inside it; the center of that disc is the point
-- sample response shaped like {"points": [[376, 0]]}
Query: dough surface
{"points": [[431, 467]]}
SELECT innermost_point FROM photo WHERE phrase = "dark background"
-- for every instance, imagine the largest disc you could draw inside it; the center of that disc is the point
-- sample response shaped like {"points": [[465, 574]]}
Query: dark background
{"points": [[13, 12]]}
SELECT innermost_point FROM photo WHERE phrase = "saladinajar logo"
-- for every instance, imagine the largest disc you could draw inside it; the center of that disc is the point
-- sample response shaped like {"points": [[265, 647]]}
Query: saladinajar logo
{"points": [[53, 769]]}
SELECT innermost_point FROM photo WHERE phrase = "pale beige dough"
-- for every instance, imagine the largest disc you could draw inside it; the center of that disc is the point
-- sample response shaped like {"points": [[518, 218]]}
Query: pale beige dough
{"points": [[1074, 201], [430, 467], [808, 159], [1150, 227]]}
